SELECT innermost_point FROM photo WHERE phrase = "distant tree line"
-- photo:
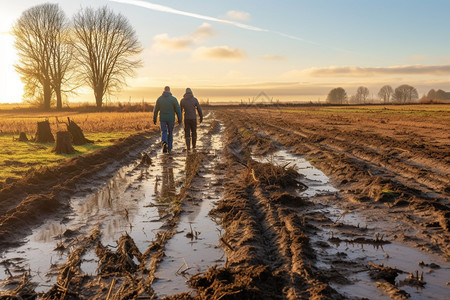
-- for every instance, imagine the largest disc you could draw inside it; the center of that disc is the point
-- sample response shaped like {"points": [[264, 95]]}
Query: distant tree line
{"points": [[96, 48], [438, 95], [402, 94]]}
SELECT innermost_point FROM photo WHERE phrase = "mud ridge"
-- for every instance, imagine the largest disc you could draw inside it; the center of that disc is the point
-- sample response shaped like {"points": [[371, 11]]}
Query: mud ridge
{"points": [[260, 233]]}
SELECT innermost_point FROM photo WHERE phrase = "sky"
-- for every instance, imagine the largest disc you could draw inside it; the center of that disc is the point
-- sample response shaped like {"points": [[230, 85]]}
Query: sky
{"points": [[293, 50]]}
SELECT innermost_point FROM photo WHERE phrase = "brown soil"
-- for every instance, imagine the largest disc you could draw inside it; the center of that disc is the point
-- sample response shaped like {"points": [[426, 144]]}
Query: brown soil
{"points": [[398, 168], [395, 163]]}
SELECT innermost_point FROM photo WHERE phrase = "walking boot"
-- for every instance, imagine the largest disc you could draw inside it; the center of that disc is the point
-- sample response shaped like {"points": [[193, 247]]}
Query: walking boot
{"points": [[188, 144]]}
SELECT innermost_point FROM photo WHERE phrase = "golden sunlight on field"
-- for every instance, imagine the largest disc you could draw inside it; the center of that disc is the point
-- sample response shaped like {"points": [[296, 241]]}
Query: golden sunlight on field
{"points": [[89, 122], [10, 86]]}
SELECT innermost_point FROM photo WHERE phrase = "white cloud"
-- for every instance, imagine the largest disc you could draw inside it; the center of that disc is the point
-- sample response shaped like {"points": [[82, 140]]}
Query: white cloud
{"points": [[238, 15], [205, 30], [163, 41], [352, 71], [220, 53]]}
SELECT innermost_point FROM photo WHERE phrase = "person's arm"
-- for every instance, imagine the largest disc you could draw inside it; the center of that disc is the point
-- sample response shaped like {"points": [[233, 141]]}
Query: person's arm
{"points": [[178, 110], [199, 110], [182, 106], [155, 111]]}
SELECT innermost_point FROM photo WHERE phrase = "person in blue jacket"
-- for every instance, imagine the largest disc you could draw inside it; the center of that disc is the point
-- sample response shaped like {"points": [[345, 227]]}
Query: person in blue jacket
{"points": [[167, 106], [189, 104]]}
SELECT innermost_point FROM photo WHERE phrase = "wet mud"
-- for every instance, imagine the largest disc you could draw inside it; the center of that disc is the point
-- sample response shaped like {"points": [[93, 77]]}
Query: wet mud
{"points": [[269, 207]]}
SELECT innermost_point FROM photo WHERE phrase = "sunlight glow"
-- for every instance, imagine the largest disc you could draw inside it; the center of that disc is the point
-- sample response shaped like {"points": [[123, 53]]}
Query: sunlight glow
{"points": [[11, 88]]}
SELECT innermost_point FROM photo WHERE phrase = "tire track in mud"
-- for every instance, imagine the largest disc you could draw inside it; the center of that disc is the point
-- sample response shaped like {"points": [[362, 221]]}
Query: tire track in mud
{"points": [[429, 214], [388, 166], [341, 249], [195, 245], [268, 251]]}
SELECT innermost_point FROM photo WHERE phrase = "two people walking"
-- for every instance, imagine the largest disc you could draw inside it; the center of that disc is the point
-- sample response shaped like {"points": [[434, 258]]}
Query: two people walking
{"points": [[167, 107]]}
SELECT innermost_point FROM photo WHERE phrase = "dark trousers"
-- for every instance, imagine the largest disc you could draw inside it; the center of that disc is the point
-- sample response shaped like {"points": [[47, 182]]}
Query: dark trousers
{"points": [[190, 130]]}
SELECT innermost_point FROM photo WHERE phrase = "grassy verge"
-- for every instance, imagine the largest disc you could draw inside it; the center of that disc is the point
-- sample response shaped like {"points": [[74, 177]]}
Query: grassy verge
{"points": [[16, 158]]}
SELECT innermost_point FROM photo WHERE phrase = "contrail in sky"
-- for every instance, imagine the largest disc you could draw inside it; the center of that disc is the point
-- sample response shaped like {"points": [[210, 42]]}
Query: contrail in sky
{"points": [[162, 8]]}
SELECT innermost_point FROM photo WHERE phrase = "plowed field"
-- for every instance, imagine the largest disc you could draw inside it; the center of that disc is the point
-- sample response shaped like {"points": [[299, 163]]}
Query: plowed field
{"points": [[275, 203]]}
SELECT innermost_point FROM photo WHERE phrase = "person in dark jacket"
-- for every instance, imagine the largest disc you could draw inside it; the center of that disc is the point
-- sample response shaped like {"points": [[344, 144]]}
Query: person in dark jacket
{"points": [[189, 104], [167, 106]]}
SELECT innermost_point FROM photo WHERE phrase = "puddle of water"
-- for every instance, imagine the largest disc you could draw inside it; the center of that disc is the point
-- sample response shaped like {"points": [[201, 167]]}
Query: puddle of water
{"points": [[187, 254], [393, 255], [316, 181], [396, 256], [134, 201]]}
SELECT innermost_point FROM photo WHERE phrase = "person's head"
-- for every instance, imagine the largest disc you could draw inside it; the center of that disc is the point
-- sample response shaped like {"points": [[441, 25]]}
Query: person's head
{"points": [[188, 91], [167, 89]]}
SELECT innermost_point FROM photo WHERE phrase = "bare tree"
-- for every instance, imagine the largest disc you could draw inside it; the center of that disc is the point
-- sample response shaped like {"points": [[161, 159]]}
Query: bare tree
{"points": [[105, 44], [32, 41], [405, 93], [361, 94], [61, 57], [337, 96], [386, 93], [41, 35]]}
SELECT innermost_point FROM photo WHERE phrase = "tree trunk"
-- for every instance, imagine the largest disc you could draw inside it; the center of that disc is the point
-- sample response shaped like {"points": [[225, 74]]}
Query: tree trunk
{"points": [[47, 95], [58, 99], [63, 143], [98, 92], [78, 137], [44, 134]]}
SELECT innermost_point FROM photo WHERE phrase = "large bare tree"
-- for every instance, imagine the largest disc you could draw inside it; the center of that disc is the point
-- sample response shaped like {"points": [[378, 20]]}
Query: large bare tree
{"points": [[386, 93], [61, 58], [41, 35], [361, 94], [405, 93], [106, 46], [337, 96]]}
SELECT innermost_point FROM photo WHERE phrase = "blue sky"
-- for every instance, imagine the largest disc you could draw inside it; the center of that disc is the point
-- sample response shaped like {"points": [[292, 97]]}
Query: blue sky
{"points": [[293, 50]]}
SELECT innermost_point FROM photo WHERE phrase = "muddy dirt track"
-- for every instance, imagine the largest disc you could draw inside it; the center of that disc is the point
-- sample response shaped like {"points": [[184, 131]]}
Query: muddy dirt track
{"points": [[274, 204]]}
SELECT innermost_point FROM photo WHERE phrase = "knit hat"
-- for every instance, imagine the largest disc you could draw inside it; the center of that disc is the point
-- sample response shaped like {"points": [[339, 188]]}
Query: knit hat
{"points": [[188, 90], [166, 89]]}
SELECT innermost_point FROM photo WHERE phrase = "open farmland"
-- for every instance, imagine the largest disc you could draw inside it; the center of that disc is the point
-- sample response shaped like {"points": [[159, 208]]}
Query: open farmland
{"points": [[277, 203]]}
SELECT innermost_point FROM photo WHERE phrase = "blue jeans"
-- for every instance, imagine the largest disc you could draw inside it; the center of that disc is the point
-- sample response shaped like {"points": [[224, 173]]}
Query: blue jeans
{"points": [[167, 133]]}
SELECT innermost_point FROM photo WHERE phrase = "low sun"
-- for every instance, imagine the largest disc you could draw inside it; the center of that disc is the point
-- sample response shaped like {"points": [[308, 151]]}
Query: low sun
{"points": [[11, 88]]}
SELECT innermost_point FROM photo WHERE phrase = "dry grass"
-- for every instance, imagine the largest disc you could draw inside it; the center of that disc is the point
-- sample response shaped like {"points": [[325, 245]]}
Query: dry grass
{"points": [[11, 122]]}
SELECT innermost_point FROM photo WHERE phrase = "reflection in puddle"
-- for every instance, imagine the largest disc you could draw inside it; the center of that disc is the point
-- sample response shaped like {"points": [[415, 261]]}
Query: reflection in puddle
{"points": [[135, 201], [168, 191], [194, 248], [345, 256], [316, 181]]}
